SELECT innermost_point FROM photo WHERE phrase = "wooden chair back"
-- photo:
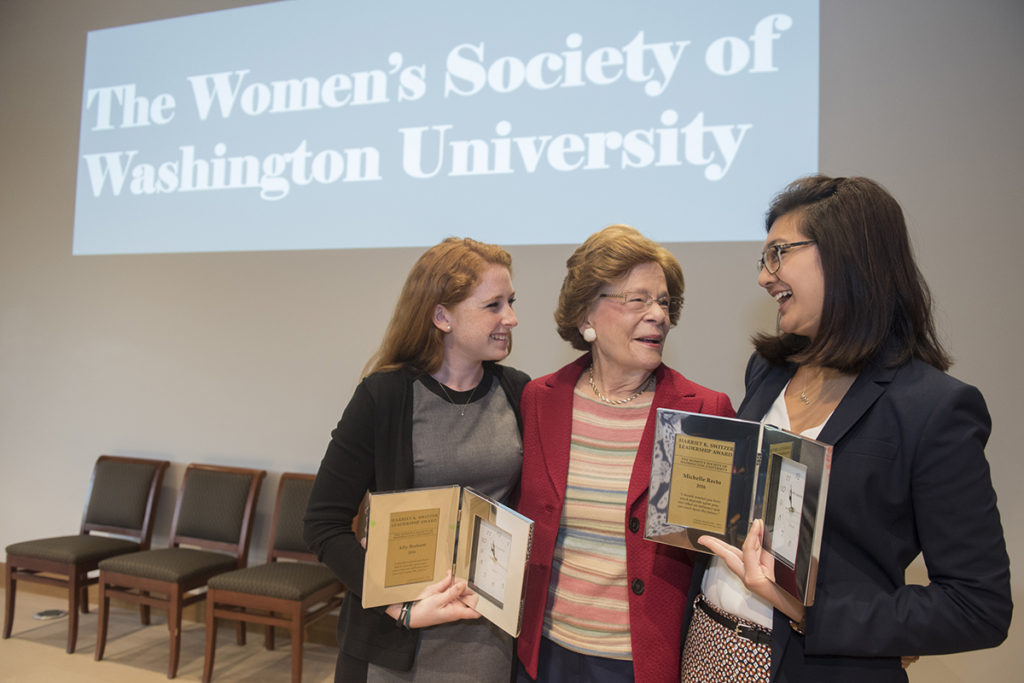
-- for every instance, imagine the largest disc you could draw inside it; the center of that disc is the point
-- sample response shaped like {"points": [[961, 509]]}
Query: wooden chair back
{"points": [[215, 509], [123, 493], [286, 541]]}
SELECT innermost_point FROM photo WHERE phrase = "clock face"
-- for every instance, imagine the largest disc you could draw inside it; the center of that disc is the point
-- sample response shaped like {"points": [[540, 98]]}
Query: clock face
{"points": [[788, 509], [489, 572]]}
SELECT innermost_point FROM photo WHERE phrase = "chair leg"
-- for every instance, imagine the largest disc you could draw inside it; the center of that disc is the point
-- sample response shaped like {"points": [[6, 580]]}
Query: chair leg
{"points": [[9, 586], [75, 579], [174, 607], [211, 641], [268, 637], [240, 631], [85, 594], [144, 611], [103, 607], [296, 631]]}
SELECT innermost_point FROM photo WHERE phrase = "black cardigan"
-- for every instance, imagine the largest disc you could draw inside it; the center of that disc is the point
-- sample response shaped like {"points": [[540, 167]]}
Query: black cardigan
{"points": [[371, 450]]}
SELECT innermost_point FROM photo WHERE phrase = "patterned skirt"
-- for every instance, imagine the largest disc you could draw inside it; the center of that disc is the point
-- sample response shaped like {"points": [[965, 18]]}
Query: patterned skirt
{"points": [[714, 653]]}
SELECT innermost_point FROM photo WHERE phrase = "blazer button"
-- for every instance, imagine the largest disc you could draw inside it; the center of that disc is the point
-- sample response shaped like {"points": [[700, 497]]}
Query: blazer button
{"points": [[638, 586], [634, 524]]}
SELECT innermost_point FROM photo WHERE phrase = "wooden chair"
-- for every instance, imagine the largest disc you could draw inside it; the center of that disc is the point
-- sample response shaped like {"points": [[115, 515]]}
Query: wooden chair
{"points": [[210, 534], [123, 495], [288, 594]]}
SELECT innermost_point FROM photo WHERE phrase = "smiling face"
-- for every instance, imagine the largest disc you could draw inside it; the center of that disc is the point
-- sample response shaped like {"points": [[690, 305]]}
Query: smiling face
{"points": [[799, 284], [479, 328], [629, 342]]}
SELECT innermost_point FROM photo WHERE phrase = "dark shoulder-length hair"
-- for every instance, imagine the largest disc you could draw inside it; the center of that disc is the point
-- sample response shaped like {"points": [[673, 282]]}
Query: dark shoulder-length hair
{"points": [[876, 300], [603, 258], [445, 274]]}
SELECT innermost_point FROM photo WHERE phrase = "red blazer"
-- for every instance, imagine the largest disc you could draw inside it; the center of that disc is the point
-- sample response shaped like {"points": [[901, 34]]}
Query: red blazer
{"points": [[659, 574]]}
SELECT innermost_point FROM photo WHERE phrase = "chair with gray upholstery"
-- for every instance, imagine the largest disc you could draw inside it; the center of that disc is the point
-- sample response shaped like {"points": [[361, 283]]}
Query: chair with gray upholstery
{"points": [[118, 518], [210, 535], [289, 591]]}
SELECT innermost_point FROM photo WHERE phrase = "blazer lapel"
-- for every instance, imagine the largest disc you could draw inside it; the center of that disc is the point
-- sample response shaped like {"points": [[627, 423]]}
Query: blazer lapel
{"points": [[555, 404], [756, 403], [869, 385]]}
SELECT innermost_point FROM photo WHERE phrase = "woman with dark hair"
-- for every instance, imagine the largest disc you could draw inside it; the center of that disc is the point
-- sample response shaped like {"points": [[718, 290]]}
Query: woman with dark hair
{"points": [[435, 408], [856, 363], [602, 603]]}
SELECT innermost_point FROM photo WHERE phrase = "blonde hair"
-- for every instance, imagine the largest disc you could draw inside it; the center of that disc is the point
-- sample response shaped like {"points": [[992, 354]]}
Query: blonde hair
{"points": [[445, 274], [606, 256]]}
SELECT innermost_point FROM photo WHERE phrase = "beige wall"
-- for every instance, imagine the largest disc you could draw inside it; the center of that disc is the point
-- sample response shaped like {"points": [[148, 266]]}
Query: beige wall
{"points": [[249, 358]]}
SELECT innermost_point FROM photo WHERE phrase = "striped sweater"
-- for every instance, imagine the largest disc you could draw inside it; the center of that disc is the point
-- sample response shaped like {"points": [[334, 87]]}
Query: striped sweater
{"points": [[588, 599]]}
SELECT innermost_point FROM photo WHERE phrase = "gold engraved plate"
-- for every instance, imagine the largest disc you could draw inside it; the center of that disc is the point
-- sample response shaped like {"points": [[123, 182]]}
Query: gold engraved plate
{"points": [[701, 477], [412, 544]]}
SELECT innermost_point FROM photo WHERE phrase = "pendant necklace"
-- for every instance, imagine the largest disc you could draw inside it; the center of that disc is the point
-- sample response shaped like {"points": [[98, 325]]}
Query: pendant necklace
{"points": [[803, 396], [462, 408], [619, 401], [821, 389]]}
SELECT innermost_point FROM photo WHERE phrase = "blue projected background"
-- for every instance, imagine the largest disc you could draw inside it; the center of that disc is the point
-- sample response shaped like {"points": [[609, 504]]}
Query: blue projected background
{"points": [[317, 124]]}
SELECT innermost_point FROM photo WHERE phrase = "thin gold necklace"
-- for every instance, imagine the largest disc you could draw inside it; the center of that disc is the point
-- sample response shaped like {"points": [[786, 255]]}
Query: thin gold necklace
{"points": [[460, 408], [821, 389], [617, 401], [803, 397]]}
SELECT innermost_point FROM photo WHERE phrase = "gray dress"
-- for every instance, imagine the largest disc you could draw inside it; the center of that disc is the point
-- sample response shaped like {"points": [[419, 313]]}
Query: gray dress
{"points": [[468, 438]]}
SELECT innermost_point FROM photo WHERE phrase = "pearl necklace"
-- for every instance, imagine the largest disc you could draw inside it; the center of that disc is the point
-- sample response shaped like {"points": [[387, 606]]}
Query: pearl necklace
{"points": [[617, 401]]}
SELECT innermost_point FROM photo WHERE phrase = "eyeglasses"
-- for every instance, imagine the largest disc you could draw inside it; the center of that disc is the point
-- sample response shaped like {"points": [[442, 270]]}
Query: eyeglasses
{"points": [[638, 302], [771, 258]]}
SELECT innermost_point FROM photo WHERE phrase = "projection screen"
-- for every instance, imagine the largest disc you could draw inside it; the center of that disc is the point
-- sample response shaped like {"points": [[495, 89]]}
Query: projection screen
{"points": [[316, 124]]}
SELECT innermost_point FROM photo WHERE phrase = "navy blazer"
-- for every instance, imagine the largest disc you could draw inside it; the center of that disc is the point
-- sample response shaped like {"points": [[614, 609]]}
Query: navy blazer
{"points": [[909, 476]]}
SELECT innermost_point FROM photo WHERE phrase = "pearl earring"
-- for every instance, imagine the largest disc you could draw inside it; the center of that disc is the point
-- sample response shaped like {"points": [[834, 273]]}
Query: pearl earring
{"points": [[589, 335]]}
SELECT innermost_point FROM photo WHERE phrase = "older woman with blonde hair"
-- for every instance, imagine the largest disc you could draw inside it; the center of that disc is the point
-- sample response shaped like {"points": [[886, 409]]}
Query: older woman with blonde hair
{"points": [[435, 409], [603, 604]]}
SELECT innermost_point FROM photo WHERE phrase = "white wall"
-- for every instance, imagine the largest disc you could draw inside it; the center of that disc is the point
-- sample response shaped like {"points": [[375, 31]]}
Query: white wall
{"points": [[248, 359]]}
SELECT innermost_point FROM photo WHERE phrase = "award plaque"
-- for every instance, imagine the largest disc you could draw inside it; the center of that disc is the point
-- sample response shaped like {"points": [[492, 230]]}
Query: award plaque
{"points": [[414, 537], [715, 475], [410, 537]]}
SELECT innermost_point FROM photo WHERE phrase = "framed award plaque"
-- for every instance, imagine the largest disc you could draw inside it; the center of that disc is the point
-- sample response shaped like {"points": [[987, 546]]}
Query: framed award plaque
{"points": [[414, 537], [715, 475]]}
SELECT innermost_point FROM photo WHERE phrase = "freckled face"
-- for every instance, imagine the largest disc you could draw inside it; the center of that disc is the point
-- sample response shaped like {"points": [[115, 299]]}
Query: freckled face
{"points": [[481, 324], [799, 284]]}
